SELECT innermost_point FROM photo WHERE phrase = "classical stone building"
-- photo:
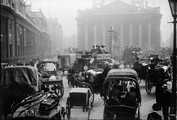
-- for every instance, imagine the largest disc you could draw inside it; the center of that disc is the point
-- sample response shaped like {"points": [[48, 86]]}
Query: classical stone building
{"points": [[23, 32], [118, 24], [55, 32]]}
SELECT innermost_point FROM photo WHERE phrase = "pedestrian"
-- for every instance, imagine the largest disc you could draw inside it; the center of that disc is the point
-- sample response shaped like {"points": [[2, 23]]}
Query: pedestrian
{"points": [[103, 49], [98, 49], [136, 66], [131, 97], [121, 66], [160, 78], [19, 62], [166, 99], [106, 70], [93, 50]]}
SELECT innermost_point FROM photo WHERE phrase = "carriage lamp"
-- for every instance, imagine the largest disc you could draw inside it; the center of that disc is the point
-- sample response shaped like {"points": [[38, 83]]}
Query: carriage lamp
{"points": [[173, 7]]}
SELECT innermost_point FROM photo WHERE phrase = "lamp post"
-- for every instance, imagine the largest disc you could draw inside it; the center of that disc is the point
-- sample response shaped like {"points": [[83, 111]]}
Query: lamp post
{"points": [[173, 7]]}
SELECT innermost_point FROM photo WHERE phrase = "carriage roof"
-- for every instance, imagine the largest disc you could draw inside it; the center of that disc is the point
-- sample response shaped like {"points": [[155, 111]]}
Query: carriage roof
{"points": [[29, 71], [46, 61], [126, 73]]}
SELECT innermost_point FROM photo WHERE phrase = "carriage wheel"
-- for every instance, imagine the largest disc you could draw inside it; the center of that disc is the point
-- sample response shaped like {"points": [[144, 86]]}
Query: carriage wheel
{"points": [[89, 109], [59, 90], [148, 85], [68, 108], [92, 91], [138, 113]]}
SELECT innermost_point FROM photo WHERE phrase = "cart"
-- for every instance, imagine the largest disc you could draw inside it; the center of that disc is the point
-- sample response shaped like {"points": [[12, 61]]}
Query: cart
{"points": [[82, 97], [122, 95]]}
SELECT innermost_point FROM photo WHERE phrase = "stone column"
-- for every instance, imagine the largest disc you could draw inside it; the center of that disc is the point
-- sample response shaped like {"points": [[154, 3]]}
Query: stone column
{"points": [[149, 36], [130, 42], [140, 36], [121, 36], [95, 39], [104, 39], [86, 38], [121, 48]]}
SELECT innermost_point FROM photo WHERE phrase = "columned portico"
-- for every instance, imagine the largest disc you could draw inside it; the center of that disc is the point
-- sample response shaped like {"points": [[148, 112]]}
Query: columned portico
{"points": [[134, 25]]}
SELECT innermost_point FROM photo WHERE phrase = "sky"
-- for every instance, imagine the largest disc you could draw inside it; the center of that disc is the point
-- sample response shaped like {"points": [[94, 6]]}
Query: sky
{"points": [[66, 12]]}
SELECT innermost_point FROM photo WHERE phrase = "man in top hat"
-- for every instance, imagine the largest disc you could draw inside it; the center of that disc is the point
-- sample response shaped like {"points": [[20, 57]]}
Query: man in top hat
{"points": [[98, 49]]}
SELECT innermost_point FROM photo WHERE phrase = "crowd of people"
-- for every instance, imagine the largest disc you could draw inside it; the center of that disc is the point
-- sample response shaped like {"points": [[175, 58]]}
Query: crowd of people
{"points": [[163, 85], [130, 54], [98, 49]]}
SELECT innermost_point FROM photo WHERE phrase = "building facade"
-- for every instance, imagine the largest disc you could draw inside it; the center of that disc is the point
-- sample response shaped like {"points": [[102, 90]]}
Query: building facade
{"points": [[117, 25], [21, 34], [55, 32]]}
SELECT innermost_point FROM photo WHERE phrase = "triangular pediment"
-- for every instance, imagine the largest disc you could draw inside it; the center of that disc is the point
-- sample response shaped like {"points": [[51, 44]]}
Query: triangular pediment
{"points": [[117, 7]]}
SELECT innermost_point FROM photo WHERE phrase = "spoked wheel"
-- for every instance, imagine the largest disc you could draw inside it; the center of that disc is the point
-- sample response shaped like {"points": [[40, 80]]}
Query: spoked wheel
{"points": [[59, 90], [148, 84], [90, 105], [91, 100], [68, 108], [87, 85], [138, 113]]}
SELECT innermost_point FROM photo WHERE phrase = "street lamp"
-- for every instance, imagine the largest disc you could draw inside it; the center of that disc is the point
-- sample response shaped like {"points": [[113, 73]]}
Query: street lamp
{"points": [[173, 7]]}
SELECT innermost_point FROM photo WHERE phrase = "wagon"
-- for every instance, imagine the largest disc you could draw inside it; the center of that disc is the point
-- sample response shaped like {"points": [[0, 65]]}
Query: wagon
{"points": [[121, 95], [79, 98]]}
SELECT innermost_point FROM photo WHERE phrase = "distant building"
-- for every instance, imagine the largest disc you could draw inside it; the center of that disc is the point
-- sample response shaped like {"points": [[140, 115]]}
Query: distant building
{"points": [[118, 24], [23, 33], [55, 32]]}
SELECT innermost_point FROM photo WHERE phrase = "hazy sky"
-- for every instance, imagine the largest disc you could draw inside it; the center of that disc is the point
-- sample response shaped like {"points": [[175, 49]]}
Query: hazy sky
{"points": [[66, 11]]}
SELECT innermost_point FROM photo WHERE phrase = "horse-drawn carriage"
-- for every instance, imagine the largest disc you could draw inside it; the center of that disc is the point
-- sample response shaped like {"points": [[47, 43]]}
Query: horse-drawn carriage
{"points": [[152, 72], [49, 71], [79, 97], [156, 75], [22, 97], [121, 95]]}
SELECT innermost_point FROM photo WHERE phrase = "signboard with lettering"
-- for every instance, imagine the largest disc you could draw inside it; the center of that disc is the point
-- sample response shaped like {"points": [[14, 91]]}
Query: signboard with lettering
{"points": [[103, 56], [100, 56], [107, 56]]}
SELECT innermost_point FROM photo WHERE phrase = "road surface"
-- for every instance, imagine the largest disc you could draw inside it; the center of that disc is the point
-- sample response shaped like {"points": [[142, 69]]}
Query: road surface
{"points": [[98, 105]]}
